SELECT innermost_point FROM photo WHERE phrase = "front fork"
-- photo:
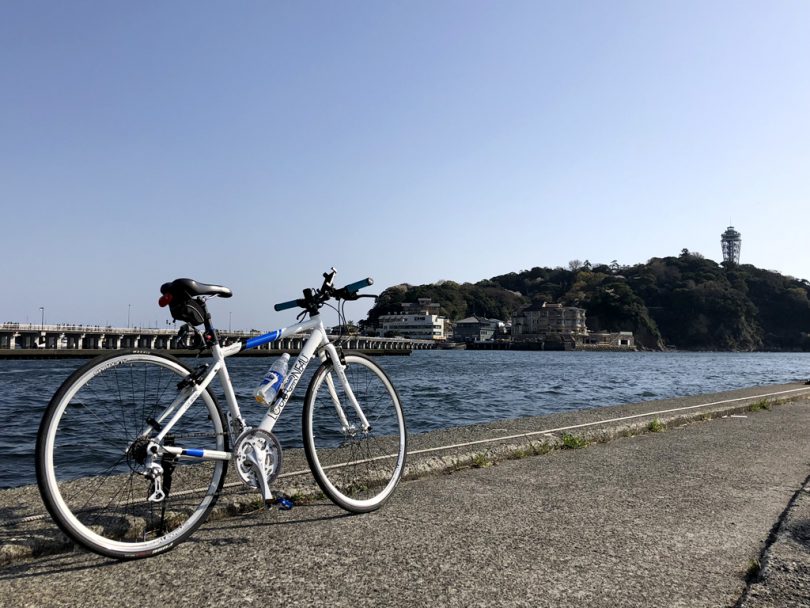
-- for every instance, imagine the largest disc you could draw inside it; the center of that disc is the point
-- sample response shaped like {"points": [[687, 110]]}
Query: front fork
{"points": [[339, 365]]}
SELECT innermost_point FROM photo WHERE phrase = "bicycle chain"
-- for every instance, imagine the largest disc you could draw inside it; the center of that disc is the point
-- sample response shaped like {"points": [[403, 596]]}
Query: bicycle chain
{"points": [[196, 435]]}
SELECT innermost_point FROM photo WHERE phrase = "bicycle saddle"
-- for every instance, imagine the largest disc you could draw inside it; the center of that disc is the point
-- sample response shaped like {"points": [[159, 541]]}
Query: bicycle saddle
{"points": [[190, 287]]}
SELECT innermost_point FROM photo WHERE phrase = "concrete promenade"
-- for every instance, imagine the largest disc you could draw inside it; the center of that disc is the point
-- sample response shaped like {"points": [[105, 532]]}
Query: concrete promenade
{"points": [[712, 509]]}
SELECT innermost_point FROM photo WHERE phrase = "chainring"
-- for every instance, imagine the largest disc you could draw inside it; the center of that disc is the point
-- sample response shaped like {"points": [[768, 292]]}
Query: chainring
{"points": [[266, 447]]}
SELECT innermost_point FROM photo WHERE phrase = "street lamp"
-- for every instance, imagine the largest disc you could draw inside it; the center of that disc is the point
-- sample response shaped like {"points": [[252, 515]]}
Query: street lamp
{"points": [[42, 324], [129, 308]]}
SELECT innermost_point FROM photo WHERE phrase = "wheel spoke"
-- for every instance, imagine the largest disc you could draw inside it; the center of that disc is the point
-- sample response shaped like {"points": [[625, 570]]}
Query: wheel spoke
{"points": [[90, 470], [358, 470]]}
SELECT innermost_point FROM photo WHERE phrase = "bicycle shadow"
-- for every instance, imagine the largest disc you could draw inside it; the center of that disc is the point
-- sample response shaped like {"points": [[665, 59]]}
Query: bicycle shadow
{"points": [[77, 559], [235, 531], [301, 515], [9, 514], [73, 561]]}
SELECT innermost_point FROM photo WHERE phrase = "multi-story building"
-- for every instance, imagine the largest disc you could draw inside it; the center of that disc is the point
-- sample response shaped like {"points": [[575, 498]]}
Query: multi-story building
{"points": [[418, 320], [415, 326], [476, 329], [542, 321], [422, 305]]}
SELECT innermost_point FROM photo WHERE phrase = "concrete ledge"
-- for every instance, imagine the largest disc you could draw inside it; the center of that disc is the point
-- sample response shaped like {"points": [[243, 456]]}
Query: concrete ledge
{"points": [[781, 577], [26, 530]]}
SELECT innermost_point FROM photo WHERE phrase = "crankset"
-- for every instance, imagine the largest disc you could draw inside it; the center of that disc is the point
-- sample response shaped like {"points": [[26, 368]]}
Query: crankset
{"points": [[258, 460]]}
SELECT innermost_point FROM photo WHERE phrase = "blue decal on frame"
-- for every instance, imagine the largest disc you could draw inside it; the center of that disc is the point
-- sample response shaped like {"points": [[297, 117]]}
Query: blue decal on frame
{"points": [[264, 339]]}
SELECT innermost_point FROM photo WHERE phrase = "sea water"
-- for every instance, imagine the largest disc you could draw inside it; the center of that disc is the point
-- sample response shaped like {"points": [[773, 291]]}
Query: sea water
{"points": [[439, 389]]}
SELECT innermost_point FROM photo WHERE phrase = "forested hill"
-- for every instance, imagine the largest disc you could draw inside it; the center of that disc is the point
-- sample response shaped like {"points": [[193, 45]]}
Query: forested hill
{"points": [[686, 302]]}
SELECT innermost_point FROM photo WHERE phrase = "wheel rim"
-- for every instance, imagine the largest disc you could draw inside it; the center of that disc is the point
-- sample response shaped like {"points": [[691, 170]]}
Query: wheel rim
{"points": [[359, 469], [96, 486]]}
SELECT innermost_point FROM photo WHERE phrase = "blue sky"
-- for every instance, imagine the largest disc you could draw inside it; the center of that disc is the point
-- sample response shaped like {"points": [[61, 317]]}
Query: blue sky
{"points": [[256, 144]]}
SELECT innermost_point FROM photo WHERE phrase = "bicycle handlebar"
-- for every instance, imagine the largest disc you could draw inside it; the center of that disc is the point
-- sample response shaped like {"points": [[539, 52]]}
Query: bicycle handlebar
{"points": [[286, 305], [355, 287], [314, 299]]}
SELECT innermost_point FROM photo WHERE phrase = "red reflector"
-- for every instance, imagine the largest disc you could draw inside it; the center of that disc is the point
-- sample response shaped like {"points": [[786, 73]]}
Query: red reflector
{"points": [[165, 299]]}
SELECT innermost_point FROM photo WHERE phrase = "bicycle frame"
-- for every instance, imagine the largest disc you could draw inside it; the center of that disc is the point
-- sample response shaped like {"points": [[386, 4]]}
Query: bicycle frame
{"points": [[155, 444], [317, 341]]}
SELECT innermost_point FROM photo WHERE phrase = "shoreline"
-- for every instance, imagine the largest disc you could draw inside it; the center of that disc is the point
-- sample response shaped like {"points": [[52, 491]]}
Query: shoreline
{"points": [[42, 354], [27, 531], [33, 353]]}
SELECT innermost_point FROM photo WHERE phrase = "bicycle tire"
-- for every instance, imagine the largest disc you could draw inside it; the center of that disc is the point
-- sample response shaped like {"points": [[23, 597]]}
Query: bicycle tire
{"points": [[89, 475], [357, 470]]}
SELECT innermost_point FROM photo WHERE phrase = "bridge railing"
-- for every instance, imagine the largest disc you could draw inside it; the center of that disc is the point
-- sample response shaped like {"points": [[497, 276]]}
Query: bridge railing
{"points": [[77, 337]]}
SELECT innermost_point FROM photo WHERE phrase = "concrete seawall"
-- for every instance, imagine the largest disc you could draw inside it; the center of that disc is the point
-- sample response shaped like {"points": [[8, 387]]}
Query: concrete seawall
{"points": [[26, 530], [693, 502]]}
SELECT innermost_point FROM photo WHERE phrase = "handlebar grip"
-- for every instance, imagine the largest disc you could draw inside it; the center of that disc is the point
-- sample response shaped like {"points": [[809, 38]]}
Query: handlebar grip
{"points": [[355, 287], [286, 305]]}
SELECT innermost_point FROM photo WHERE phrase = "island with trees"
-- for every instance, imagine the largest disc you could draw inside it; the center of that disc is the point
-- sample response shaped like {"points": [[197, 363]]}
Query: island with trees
{"points": [[686, 302]]}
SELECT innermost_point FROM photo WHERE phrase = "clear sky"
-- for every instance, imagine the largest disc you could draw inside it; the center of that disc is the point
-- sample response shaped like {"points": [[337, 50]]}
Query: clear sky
{"points": [[256, 144]]}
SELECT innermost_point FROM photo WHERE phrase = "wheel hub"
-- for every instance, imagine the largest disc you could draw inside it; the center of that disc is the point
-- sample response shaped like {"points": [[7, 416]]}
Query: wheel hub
{"points": [[137, 451]]}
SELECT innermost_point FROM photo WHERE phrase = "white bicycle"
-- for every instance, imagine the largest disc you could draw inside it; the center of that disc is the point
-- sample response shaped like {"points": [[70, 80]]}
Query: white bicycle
{"points": [[133, 448]]}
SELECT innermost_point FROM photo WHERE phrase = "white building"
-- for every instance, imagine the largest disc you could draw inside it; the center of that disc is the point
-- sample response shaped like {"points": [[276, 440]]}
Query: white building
{"points": [[418, 321], [415, 326]]}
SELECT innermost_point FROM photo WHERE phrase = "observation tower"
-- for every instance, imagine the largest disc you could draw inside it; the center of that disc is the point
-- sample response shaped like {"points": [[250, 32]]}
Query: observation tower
{"points": [[731, 240]]}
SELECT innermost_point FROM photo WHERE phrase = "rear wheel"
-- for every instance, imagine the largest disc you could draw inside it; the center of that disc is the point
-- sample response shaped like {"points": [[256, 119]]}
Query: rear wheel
{"points": [[357, 469], [91, 456]]}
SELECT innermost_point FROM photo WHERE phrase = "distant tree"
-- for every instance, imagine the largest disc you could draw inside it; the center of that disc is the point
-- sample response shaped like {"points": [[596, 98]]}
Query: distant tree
{"points": [[686, 301]]}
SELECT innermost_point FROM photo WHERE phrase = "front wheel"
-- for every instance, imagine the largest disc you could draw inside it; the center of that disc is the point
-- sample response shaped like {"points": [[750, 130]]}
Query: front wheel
{"points": [[92, 455], [356, 467]]}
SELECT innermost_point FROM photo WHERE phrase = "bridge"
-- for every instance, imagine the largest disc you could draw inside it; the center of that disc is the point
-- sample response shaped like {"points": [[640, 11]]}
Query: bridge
{"points": [[23, 340]]}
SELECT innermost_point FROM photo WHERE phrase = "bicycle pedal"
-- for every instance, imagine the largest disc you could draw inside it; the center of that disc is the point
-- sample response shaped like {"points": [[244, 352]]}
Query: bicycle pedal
{"points": [[283, 502]]}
